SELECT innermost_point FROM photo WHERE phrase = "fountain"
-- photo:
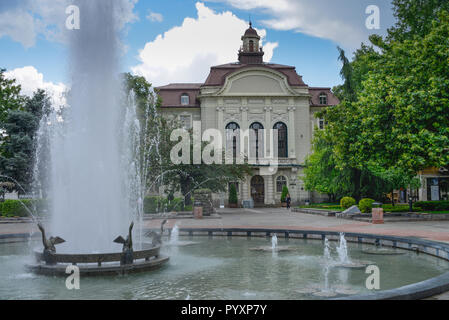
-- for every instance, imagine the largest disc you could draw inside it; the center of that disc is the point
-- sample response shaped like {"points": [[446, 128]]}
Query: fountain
{"points": [[343, 256], [93, 151], [274, 248]]}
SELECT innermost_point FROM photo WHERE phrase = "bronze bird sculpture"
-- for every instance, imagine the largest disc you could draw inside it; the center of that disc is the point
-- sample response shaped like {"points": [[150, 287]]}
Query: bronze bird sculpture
{"points": [[49, 246], [127, 250], [157, 237]]}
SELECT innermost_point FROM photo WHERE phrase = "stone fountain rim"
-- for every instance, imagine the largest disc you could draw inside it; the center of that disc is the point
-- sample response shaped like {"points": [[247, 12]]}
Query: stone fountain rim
{"points": [[419, 290]]}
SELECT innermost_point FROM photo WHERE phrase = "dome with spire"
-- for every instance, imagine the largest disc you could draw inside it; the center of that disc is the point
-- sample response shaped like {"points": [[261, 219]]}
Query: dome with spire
{"points": [[250, 31]]}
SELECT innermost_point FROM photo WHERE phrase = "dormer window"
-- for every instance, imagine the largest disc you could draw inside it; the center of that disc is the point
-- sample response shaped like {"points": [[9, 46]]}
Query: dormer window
{"points": [[185, 101], [323, 98]]}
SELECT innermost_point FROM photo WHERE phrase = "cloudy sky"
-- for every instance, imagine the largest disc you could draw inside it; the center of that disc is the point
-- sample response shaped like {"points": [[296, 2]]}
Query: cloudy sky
{"points": [[178, 40]]}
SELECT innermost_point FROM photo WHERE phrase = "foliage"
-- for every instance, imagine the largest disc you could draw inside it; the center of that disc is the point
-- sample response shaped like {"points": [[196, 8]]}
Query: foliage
{"points": [[18, 148], [16, 208], [233, 199], [156, 204], [347, 202], [365, 205], [392, 120], [10, 97], [433, 205], [284, 194]]}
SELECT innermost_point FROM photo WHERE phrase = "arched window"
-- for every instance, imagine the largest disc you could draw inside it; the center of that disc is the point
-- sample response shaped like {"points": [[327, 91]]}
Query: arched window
{"points": [[281, 181], [251, 46], [282, 139], [232, 136], [185, 101], [323, 98], [256, 140]]}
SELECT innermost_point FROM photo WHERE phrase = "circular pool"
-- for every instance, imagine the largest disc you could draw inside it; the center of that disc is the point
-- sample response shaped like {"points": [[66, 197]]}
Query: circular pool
{"points": [[220, 267]]}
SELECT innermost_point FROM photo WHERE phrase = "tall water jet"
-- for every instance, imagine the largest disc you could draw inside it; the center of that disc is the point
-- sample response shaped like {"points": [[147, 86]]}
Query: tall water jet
{"points": [[342, 249], [90, 200]]}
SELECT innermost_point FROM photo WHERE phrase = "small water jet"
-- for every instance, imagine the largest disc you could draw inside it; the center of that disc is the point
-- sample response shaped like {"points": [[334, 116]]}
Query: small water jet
{"points": [[274, 248], [344, 260]]}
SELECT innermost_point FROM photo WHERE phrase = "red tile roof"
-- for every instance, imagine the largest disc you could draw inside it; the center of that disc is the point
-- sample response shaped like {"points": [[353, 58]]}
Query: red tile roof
{"points": [[171, 93], [315, 92]]}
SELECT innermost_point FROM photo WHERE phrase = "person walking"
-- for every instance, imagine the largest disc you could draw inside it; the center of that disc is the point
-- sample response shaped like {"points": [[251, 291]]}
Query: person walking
{"points": [[288, 199]]}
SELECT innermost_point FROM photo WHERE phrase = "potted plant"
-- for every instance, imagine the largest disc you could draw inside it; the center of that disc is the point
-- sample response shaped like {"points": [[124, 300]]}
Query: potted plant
{"points": [[233, 200], [284, 196]]}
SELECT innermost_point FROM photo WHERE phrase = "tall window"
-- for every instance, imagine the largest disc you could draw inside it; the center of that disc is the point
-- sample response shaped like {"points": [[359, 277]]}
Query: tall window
{"points": [[281, 181], [185, 101], [256, 139], [232, 133], [323, 98], [282, 139], [322, 123], [251, 46]]}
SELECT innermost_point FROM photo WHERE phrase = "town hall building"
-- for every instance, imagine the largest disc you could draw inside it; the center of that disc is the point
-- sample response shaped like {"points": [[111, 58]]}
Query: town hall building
{"points": [[252, 94]]}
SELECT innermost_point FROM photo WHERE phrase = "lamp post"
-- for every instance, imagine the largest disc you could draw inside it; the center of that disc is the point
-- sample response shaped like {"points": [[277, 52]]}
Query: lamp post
{"points": [[410, 200]]}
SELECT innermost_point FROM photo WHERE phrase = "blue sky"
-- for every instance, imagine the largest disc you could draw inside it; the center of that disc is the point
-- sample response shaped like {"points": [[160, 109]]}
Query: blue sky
{"points": [[178, 40]]}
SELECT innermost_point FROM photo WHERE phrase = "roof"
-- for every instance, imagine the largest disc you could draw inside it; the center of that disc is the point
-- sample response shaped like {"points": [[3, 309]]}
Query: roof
{"points": [[171, 94], [218, 74], [251, 32], [315, 92]]}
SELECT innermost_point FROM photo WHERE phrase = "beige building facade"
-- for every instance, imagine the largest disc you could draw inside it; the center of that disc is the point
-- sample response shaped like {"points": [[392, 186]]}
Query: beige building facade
{"points": [[253, 95]]}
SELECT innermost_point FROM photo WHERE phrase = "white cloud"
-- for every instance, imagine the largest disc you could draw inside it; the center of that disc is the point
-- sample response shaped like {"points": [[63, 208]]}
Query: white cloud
{"points": [[31, 80], [185, 53], [24, 20], [342, 21], [155, 17]]}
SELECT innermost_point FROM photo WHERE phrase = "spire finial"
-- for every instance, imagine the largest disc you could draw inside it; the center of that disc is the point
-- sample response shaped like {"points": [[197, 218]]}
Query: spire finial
{"points": [[250, 23]]}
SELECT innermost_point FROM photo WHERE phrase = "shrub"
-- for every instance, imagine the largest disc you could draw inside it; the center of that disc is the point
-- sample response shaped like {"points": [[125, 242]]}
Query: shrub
{"points": [[233, 194], [284, 193], [347, 202], [433, 205], [155, 204], [14, 208], [365, 205]]}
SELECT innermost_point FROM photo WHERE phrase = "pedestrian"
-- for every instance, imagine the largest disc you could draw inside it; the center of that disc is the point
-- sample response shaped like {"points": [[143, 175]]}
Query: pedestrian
{"points": [[288, 199]]}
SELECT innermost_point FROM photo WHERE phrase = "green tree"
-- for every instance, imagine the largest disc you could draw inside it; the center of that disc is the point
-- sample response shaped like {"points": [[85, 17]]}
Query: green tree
{"points": [[17, 151], [10, 97]]}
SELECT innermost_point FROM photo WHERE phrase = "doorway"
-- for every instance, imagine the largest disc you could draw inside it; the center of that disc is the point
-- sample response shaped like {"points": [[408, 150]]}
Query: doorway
{"points": [[258, 190]]}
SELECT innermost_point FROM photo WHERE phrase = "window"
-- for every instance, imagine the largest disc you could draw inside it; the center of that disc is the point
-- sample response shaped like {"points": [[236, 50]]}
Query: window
{"points": [[323, 98], [185, 101], [322, 123], [282, 139], [251, 46], [281, 181], [232, 134], [185, 121], [256, 139]]}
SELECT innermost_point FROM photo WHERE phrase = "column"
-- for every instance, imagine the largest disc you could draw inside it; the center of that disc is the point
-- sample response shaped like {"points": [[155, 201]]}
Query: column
{"points": [[291, 132]]}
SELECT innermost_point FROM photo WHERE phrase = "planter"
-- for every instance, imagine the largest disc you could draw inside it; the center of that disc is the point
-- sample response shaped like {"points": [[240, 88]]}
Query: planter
{"points": [[284, 204], [233, 205]]}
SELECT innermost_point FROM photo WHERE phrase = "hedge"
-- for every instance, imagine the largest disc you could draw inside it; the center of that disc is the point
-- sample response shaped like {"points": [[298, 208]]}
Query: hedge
{"points": [[347, 202], [15, 208], [433, 205], [156, 204]]}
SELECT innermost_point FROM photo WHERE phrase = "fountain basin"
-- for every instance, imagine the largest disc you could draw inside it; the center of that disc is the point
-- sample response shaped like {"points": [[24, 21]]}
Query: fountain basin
{"points": [[97, 264]]}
